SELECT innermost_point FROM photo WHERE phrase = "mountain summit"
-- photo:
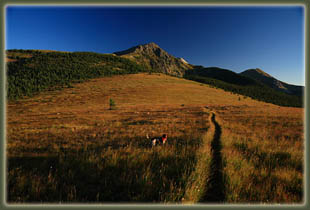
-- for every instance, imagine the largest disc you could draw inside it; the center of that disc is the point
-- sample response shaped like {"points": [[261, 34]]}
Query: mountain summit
{"points": [[261, 76], [146, 48], [155, 59], [256, 71]]}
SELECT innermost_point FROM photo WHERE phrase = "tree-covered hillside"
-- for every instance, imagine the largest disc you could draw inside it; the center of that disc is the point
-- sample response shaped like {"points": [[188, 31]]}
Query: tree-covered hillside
{"points": [[253, 89], [263, 77], [223, 75], [33, 71]]}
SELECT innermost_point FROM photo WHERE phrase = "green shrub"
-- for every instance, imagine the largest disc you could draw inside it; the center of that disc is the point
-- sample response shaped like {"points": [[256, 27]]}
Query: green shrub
{"points": [[112, 104]]}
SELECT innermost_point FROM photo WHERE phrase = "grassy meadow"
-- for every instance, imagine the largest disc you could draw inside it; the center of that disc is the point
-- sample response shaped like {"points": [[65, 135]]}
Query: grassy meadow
{"points": [[69, 146], [263, 151]]}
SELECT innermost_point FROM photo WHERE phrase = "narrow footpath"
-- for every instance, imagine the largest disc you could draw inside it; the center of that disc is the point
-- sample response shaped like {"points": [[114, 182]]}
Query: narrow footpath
{"points": [[215, 188]]}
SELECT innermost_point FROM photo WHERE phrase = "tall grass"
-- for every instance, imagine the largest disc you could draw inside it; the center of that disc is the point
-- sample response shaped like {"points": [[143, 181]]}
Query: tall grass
{"points": [[263, 154], [196, 184], [126, 174], [68, 146], [109, 164]]}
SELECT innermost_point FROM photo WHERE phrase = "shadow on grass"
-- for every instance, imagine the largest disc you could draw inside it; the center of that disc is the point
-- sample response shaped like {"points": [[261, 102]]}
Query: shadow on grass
{"points": [[124, 175], [271, 160], [215, 187]]}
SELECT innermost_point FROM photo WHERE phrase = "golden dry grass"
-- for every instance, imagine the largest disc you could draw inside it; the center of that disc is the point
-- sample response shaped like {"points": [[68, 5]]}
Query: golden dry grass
{"points": [[146, 104], [264, 152], [78, 121]]}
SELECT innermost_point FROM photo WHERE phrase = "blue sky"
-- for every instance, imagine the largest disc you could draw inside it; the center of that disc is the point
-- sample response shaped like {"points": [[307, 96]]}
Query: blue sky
{"points": [[235, 38]]}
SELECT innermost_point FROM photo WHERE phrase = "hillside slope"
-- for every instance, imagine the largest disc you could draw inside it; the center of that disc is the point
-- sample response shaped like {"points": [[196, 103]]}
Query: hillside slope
{"points": [[71, 141], [155, 102], [270, 81], [236, 83], [33, 71], [223, 75], [153, 58]]}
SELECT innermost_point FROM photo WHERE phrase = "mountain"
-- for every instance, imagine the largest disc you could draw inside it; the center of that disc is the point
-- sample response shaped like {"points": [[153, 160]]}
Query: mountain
{"points": [[237, 83], [32, 71], [224, 75], [261, 76], [155, 59]]}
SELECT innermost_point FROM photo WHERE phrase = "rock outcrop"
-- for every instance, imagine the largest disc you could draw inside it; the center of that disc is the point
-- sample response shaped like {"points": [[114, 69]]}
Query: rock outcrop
{"points": [[155, 59]]}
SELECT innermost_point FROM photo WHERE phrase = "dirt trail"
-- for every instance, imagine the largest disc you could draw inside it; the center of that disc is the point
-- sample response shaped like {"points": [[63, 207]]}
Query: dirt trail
{"points": [[215, 188]]}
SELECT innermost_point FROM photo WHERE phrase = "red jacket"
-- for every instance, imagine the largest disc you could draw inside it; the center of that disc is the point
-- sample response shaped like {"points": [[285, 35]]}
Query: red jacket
{"points": [[163, 139]]}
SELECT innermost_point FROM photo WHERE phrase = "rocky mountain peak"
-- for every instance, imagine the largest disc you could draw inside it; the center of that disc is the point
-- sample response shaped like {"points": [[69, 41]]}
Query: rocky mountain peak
{"points": [[182, 59], [148, 48], [262, 72], [156, 59], [151, 45]]}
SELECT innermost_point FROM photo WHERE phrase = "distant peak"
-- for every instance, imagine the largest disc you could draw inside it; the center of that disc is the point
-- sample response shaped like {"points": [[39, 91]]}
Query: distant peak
{"points": [[152, 44], [258, 71], [262, 72], [141, 48]]}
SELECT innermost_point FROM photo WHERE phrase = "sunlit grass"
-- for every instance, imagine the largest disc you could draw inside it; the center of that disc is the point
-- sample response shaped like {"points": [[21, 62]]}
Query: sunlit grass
{"points": [[75, 149], [263, 149], [102, 155]]}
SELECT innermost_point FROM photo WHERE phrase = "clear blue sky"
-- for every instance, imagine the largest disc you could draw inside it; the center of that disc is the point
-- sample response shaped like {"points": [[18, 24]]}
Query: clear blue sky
{"points": [[236, 38]]}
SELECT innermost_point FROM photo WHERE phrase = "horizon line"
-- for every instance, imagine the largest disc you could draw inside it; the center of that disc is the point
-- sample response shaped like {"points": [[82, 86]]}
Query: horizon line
{"points": [[241, 71]]}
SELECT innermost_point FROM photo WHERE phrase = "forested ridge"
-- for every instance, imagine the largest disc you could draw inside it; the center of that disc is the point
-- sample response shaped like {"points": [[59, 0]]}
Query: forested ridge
{"points": [[32, 71], [255, 91]]}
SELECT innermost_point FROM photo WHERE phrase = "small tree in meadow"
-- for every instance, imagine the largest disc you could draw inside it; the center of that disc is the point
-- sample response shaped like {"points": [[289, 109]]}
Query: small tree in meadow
{"points": [[112, 104]]}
